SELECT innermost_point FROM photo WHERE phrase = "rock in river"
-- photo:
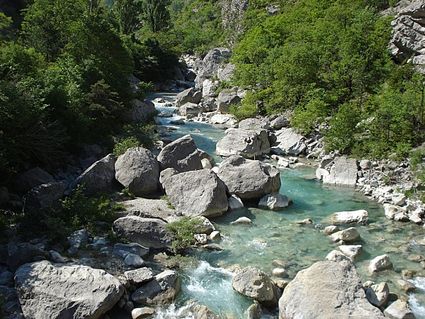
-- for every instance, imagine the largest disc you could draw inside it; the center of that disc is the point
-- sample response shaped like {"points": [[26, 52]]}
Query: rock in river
{"points": [[138, 170], [162, 289], [182, 155], [149, 232], [346, 235], [249, 179], [380, 263], [47, 291], [350, 217], [343, 172], [274, 201], [327, 289], [247, 143], [255, 284], [197, 193]]}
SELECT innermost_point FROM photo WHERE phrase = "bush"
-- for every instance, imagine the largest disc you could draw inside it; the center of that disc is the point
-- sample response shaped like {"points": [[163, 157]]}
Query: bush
{"points": [[77, 211], [123, 145], [183, 230]]}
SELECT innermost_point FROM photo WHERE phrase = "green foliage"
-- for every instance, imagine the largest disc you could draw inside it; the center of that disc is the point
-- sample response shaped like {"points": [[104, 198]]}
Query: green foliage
{"points": [[76, 211], [248, 108], [123, 145], [196, 25], [307, 117], [155, 14], [183, 230]]}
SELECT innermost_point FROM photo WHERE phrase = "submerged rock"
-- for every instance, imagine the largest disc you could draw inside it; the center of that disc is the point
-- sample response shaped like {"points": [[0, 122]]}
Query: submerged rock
{"points": [[138, 170], [331, 289], [255, 284], [197, 193], [47, 291], [249, 179], [274, 201], [149, 232]]}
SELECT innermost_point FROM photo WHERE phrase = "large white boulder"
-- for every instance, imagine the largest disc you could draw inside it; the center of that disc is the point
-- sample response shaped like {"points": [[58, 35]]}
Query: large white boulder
{"points": [[327, 289], [47, 291], [249, 179], [247, 143]]}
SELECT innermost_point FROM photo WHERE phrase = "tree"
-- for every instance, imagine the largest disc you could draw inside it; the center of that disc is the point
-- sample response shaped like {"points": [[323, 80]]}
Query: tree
{"points": [[155, 14], [128, 15]]}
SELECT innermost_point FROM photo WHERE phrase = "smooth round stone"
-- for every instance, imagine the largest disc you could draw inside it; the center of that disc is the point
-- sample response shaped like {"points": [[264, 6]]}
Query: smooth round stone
{"points": [[280, 272]]}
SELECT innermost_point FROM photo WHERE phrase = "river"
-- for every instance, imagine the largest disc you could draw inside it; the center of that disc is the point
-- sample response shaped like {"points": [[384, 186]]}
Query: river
{"points": [[278, 236]]}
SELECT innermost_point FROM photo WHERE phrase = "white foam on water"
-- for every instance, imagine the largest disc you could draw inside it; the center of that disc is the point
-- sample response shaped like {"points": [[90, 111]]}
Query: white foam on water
{"points": [[417, 299], [174, 312]]}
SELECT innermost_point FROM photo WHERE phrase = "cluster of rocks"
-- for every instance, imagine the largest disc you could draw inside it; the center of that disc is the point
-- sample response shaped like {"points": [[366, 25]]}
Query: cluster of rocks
{"points": [[384, 181]]}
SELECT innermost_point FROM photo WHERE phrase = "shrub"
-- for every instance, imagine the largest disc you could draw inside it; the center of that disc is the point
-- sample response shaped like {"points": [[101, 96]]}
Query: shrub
{"points": [[76, 211], [183, 230], [123, 145]]}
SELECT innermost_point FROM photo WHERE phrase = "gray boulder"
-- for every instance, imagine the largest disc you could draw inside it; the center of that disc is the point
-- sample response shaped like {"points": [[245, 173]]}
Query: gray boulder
{"points": [[274, 201], [249, 179], [408, 37], [254, 124], [182, 155], [190, 110], [279, 122], [399, 310], [99, 177], [255, 284], [225, 99], [44, 196], [162, 289], [329, 290], [197, 193], [211, 63], [149, 232], [190, 95], [350, 217], [345, 235], [47, 291], [247, 143], [139, 276], [378, 294], [140, 111], [226, 72], [343, 172], [138, 170], [289, 142], [32, 178], [151, 208]]}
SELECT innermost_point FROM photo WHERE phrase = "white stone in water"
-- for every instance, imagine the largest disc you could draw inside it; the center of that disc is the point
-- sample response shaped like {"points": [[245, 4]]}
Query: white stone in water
{"points": [[399, 310], [280, 272], [407, 286], [206, 163], [346, 235], [378, 294], [274, 201], [394, 212], [242, 220], [139, 313], [235, 202], [215, 235], [380, 263], [349, 217], [351, 251], [329, 230], [133, 260]]}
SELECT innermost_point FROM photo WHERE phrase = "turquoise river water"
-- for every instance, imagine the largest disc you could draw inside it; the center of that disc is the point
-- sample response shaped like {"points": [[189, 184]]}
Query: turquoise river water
{"points": [[276, 235]]}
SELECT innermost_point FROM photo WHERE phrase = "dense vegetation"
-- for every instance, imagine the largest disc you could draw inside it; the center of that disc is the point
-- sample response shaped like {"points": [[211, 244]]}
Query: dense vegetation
{"points": [[328, 63]]}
